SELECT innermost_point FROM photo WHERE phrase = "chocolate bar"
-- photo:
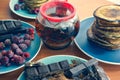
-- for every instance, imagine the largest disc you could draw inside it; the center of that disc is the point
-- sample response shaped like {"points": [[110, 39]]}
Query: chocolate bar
{"points": [[7, 27]]}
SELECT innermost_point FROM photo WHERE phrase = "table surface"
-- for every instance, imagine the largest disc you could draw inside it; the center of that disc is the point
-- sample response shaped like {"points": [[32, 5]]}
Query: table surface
{"points": [[84, 9]]}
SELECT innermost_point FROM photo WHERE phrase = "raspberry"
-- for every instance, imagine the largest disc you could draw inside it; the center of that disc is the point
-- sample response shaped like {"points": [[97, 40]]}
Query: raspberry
{"points": [[4, 60], [26, 54], [21, 60], [36, 10], [0, 64], [2, 45], [21, 40], [1, 55], [16, 7], [15, 39], [8, 64], [19, 51], [14, 46], [4, 52], [32, 36], [18, 59], [10, 53], [27, 42], [30, 31], [7, 42], [14, 58], [27, 36], [23, 46]]}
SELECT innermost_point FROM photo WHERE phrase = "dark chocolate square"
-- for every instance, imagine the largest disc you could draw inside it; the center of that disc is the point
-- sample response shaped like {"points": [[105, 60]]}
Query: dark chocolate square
{"points": [[54, 67], [32, 71], [43, 69], [64, 64]]}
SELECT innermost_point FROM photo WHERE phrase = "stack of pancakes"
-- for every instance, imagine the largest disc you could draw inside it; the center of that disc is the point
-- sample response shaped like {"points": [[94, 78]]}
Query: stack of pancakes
{"points": [[105, 29], [34, 4]]}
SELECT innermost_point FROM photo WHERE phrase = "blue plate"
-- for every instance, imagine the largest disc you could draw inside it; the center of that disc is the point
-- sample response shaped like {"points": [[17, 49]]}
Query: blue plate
{"points": [[33, 50], [93, 50], [22, 13], [53, 59]]}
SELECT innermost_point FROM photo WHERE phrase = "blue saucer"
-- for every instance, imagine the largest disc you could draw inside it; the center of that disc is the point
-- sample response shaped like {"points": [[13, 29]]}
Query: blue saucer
{"points": [[92, 50]]}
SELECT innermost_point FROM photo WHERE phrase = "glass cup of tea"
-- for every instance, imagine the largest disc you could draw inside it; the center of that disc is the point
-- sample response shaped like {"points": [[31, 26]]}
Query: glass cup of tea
{"points": [[57, 24]]}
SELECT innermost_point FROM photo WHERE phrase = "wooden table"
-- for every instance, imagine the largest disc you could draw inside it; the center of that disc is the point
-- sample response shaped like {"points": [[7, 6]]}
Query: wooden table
{"points": [[84, 9]]}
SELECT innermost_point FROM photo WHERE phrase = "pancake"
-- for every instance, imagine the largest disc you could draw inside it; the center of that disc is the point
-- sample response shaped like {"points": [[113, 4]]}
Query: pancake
{"points": [[101, 42], [108, 13], [108, 23]]}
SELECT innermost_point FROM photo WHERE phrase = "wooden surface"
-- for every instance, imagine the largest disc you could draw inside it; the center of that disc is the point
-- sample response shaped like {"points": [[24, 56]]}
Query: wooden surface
{"points": [[84, 9]]}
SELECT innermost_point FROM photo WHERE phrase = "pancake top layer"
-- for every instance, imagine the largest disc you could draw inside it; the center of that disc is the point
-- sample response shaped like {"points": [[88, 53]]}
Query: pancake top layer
{"points": [[108, 12]]}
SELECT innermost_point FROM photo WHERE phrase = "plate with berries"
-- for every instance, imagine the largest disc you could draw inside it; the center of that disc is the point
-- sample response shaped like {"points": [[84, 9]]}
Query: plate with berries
{"points": [[18, 7], [19, 43]]}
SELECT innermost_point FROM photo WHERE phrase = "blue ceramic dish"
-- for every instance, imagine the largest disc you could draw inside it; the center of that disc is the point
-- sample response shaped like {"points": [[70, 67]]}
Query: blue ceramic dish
{"points": [[93, 50], [22, 13], [53, 59]]}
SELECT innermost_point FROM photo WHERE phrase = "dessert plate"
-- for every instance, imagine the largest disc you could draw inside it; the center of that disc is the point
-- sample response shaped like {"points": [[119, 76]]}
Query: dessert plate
{"points": [[53, 59], [33, 50], [92, 50], [22, 13]]}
